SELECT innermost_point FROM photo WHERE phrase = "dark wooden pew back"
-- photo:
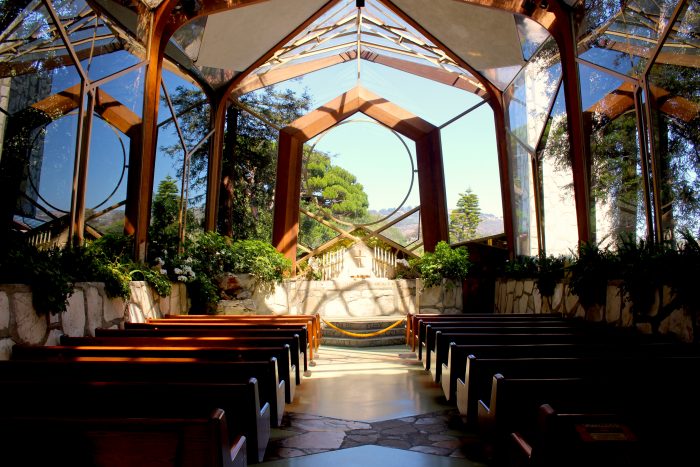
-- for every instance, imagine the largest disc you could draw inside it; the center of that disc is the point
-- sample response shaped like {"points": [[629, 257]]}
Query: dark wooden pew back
{"points": [[119, 441], [314, 320], [221, 338], [263, 365], [79, 399]]}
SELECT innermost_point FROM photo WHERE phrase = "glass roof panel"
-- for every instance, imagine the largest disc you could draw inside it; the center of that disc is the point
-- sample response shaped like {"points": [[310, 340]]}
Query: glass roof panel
{"points": [[378, 34], [532, 35], [624, 41], [104, 65], [529, 97], [683, 43], [188, 38], [595, 87]]}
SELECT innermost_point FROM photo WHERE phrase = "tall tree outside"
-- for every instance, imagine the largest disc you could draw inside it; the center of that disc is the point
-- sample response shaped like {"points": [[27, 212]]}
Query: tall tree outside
{"points": [[465, 220], [163, 232], [250, 165]]}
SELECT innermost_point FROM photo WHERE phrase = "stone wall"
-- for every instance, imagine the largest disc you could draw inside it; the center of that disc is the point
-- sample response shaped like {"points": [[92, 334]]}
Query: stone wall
{"points": [[341, 298], [332, 298], [522, 296], [446, 298], [88, 308]]}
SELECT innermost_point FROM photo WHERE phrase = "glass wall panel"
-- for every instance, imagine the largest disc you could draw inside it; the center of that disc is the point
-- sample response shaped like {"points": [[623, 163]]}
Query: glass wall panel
{"points": [[524, 221], [530, 95], [616, 181], [107, 176], [128, 90], [48, 156], [559, 208], [617, 195], [470, 159], [674, 84], [175, 161], [528, 100]]}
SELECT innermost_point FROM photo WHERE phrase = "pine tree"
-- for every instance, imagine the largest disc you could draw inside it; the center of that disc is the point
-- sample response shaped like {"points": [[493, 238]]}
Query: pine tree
{"points": [[465, 219]]}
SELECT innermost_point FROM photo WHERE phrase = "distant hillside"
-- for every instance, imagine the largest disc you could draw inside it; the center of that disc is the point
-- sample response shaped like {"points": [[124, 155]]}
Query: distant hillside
{"points": [[490, 223]]}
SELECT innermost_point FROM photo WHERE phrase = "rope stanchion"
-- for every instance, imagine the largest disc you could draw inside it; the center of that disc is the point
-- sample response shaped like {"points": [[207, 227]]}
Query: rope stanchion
{"points": [[357, 334]]}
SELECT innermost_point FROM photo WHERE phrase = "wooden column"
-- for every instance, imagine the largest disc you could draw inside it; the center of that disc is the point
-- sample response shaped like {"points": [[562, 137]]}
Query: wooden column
{"points": [[77, 215], [502, 146], [142, 165], [431, 183], [564, 34], [285, 227], [216, 150]]}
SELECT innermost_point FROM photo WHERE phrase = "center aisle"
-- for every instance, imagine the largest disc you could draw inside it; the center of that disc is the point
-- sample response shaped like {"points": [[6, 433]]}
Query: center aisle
{"points": [[371, 407]]}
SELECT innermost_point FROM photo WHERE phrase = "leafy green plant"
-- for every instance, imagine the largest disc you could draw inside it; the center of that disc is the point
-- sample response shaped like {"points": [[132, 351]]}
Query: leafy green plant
{"points": [[521, 267], [550, 271], [407, 269], [639, 264], [261, 260], [589, 273], [54, 271], [444, 263]]}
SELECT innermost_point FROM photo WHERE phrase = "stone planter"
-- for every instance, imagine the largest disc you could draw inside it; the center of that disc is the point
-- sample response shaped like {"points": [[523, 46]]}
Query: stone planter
{"points": [[88, 308], [521, 296], [445, 298]]}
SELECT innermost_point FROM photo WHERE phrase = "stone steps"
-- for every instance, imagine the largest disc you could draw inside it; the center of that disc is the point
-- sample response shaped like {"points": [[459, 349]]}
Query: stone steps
{"points": [[394, 336]]}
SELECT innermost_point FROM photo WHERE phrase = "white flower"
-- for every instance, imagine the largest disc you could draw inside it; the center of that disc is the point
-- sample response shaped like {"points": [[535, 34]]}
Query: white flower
{"points": [[177, 271], [182, 278], [164, 272], [160, 262], [402, 262]]}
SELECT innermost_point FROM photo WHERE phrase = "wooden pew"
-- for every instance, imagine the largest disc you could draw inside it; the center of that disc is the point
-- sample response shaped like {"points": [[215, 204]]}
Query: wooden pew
{"points": [[424, 327], [313, 319], [226, 367], [454, 379], [119, 441], [305, 328], [170, 370], [480, 372], [576, 439], [438, 342], [230, 329], [413, 319], [219, 337], [200, 348], [79, 399], [439, 354], [312, 337], [658, 398]]}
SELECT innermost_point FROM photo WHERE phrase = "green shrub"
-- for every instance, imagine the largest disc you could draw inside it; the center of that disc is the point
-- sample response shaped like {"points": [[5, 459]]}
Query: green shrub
{"points": [[589, 273], [261, 260], [444, 263]]}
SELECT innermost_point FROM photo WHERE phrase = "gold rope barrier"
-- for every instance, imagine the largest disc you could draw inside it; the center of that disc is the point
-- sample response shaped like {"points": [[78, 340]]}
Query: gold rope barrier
{"points": [[356, 334]]}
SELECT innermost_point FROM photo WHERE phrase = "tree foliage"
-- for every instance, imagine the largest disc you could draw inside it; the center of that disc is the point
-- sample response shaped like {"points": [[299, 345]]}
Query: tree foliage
{"points": [[464, 220], [333, 188], [250, 165]]}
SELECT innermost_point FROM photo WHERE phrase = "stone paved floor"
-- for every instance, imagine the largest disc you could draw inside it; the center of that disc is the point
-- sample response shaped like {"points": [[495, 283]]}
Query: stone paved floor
{"points": [[374, 396], [440, 433]]}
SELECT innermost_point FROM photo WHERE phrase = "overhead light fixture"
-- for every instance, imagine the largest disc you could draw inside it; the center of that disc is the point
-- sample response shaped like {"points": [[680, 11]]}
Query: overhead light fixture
{"points": [[360, 3]]}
